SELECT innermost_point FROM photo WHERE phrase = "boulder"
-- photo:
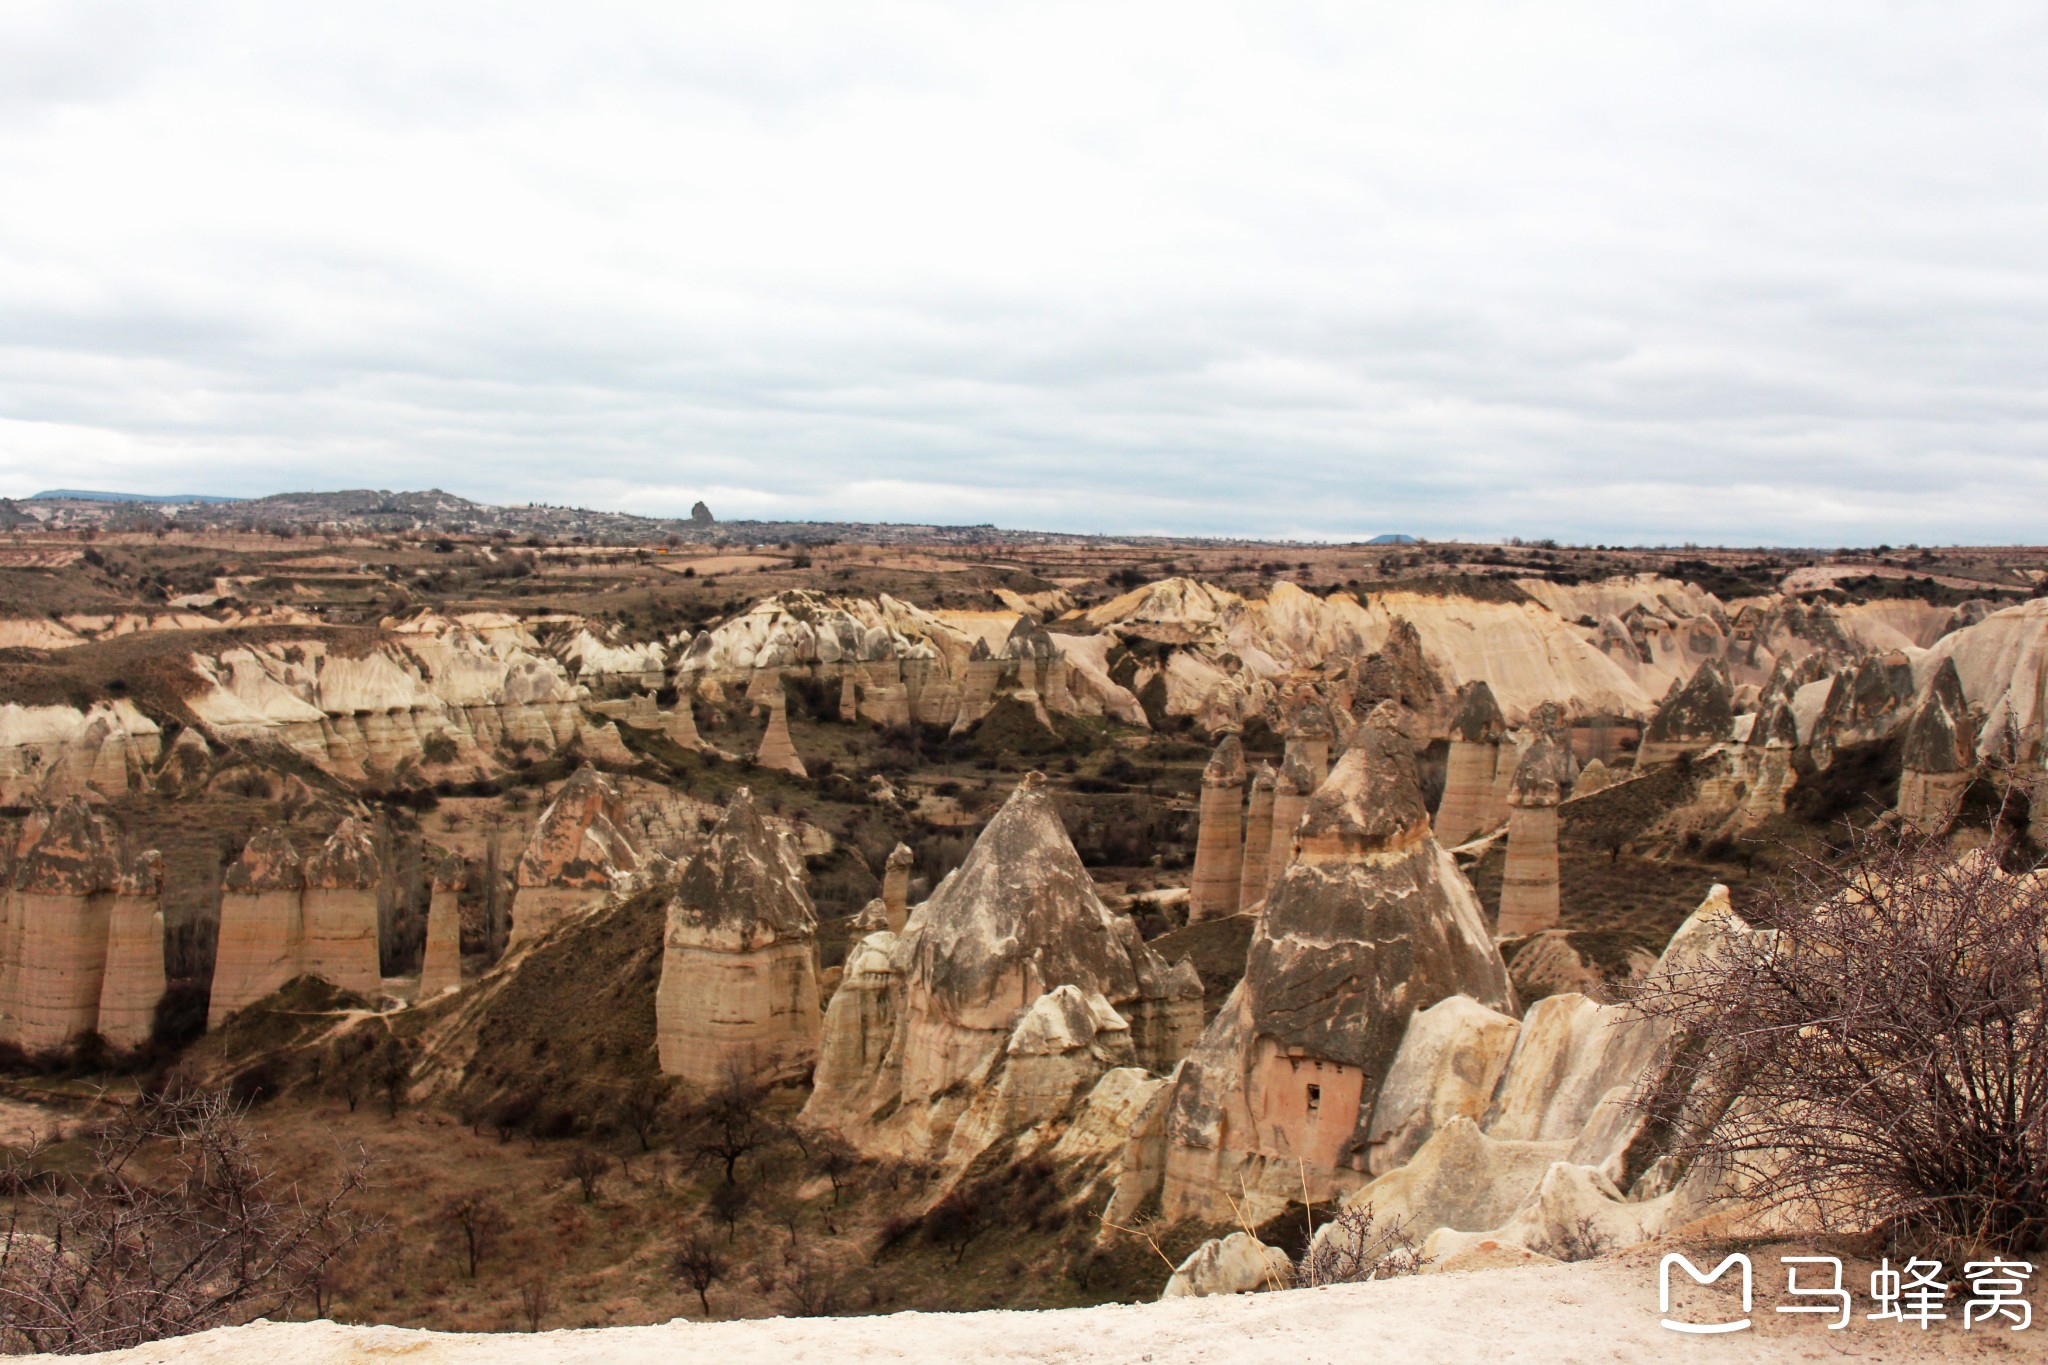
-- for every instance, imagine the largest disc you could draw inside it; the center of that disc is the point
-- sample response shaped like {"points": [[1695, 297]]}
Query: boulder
{"points": [[1237, 1264]]}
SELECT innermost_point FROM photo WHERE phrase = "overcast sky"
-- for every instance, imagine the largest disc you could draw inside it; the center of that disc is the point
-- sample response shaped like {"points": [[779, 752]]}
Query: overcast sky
{"points": [[1734, 272]]}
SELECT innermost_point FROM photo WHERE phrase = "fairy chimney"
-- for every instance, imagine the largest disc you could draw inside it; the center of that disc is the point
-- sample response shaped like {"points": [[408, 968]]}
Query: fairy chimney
{"points": [[1219, 835]]}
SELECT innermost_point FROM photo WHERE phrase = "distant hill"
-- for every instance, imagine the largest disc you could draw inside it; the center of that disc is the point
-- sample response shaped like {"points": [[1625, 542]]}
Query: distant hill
{"points": [[94, 495], [1392, 540]]}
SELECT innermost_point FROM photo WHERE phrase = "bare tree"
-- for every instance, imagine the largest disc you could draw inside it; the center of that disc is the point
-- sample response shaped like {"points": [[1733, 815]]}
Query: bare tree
{"points": [[813, 1286], [728, 1204], [176, 1227], [1882, 1057], [586, 1166], [729, 1126], [700, 1264], [475, 1224], [640, 1109], [834, 1159], [536, 1296]]}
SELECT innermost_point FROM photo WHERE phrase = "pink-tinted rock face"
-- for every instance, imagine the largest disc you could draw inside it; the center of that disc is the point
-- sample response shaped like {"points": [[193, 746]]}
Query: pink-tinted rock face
{"points": [[81, 934], [340, 910], [441, 963], [134, 979], [1219, 838], [739, 973], [778, 750], [60, 902], [1258, 839], [261, 924], [1470, 804], [578, 852]]}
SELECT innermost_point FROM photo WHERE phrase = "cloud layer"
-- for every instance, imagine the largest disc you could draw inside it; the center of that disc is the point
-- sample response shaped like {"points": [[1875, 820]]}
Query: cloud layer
{"points": [[1751, 272]]}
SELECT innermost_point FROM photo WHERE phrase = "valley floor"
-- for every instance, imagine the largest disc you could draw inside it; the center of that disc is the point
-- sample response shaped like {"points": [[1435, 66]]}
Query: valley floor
{"points": [[1592, 1311]]}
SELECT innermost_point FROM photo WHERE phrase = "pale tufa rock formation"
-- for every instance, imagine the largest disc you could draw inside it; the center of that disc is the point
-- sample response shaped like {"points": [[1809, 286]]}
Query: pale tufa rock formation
{"points": [[1311, 735], [1560, 1148], [339, 910], [1529, 888], [1258, 838], [1370, 923], [53, 753], [261, 924], [778, 750], [928, 1025], [441, 963], [1219, 837], [739, 964], [1469, 806], [896, 887], [577, 855], [1939, 756], [356, 712]]}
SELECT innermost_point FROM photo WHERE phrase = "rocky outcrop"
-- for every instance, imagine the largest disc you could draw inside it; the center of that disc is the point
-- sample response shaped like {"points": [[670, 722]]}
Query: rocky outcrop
{"points": [[1219, 837], [1371, 923], [441, 962], [1691, 720], [1594, 777], [577, 854], [1449, 1063], [1469, 806], [1237, 1264], [262, 924], [1939, 755], [896, 886], [1867, 702], [928, 1024], [1310, 734], [739, 966], [1258, 839], [339, 911]]}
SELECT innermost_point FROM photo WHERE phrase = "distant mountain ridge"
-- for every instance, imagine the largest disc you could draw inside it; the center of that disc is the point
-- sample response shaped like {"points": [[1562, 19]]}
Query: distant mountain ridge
{"points": [[96, 495]]}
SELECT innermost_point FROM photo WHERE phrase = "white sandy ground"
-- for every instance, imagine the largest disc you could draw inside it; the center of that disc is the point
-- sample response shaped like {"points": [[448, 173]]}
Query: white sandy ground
{"points": [[1560, 1315]]}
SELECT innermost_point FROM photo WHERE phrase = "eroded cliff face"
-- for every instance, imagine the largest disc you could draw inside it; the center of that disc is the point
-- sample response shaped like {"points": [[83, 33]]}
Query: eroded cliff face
{"points": [[897, 663], [579, 853], [1370, 923], [926, 1021], [51, 753]]}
